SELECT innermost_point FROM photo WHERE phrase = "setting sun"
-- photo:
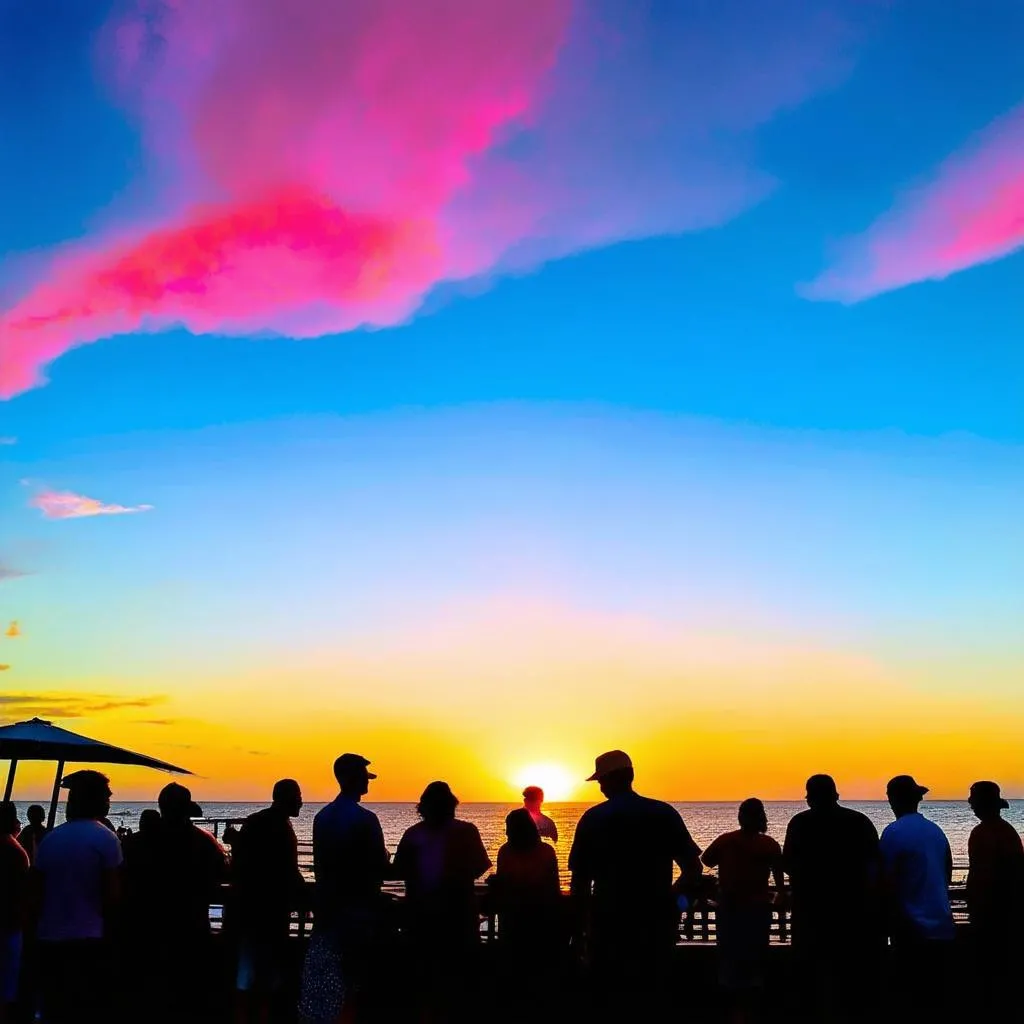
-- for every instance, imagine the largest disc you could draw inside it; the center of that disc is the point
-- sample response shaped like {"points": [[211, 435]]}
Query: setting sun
{"points": [[556, 781]]}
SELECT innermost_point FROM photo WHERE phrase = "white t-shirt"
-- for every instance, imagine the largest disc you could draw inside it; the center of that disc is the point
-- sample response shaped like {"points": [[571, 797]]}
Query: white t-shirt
{"points": [[72, 860], [915, 854]]}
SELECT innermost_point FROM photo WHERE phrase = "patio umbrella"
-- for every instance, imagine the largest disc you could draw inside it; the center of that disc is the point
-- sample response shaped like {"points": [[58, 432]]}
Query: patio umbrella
{"points": [[36, 740]]}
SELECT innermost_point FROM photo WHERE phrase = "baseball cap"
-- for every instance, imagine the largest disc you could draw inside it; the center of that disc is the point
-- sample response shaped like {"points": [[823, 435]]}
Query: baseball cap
{"points": [[905, 785], [612, 761], [987, 795], [346, 764]]}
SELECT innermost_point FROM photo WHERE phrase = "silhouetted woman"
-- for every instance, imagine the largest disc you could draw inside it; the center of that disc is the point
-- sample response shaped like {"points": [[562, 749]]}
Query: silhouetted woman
{"points": [[745, 860], [439, 859], [531, 925]]}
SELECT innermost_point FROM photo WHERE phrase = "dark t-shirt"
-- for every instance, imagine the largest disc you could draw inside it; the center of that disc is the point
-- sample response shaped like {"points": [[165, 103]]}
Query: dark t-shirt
{"points": [[175, 874], [30, 838], [831, 856], [744, 861], [527, 894], [995, 881], [13, 877], [265, 871], [440, 864], [627, 847]]}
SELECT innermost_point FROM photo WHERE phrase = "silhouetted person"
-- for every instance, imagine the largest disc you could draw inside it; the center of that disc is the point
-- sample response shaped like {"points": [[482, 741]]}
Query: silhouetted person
{"points": [[32, 834], [439, 859], [76, 871], [13, 903], [533, 801], [746, 859], [831, 856], [531, 924], [267, 886], [917, 868], [622, 862], [176, 870], [350, 863], [995, 892]]}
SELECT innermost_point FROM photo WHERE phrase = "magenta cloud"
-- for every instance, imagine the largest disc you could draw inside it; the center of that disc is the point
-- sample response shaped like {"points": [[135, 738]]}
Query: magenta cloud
{"points": [[68, 505], [971, 212], [314, 166]]}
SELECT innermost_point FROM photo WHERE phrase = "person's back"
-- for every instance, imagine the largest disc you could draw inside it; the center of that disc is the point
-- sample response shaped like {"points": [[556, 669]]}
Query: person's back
{"points": [[831, 856], [77, 871], [440, 861], [350, 861], [917, 862], [745, 860], [628, 846], [525, 885]]}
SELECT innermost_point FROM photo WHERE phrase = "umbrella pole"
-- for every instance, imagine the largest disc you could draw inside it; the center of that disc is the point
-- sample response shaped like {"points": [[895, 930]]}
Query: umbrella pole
{"points": [[9, 788], [56, 793]]}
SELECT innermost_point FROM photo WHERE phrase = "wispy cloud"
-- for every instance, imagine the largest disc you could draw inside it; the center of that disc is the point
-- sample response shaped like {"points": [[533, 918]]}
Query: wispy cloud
{"points": [[8, 440], [70, 705], [68, 505], [8, 572], [330, 170], [971, 212], [159, 722], [4, 668]]}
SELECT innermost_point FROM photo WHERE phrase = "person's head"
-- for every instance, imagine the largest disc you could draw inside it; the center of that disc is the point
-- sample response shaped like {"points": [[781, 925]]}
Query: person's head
{"points": [[521, 829], [88, 795], [288, 797], [9, 824], [36, 815], [533, 798], [175, 803], [149, 822], [437, 804], [822, 792], [986, 800], [904, 794], [613, 772], [752, 816], [353, 775]]}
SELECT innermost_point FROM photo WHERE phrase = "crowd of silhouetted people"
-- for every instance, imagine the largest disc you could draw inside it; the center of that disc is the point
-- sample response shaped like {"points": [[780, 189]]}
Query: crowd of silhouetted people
{"points": [[95, 924]]}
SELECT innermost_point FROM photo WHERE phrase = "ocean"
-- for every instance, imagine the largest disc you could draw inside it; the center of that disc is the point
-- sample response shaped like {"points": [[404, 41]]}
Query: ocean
{"points": [[704, 820]]}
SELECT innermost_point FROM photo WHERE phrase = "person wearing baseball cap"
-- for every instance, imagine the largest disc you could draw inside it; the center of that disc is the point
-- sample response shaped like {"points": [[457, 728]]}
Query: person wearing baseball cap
{"points": [[350, 863], [995, 887], [622, 862], [917, 868]]}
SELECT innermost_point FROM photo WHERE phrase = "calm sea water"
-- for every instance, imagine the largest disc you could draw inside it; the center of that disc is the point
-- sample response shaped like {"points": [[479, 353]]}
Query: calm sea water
{"points": [[705, 820]]}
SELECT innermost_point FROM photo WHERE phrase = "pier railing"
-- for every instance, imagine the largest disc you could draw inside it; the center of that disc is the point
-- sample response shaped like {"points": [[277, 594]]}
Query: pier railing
{"points": [[697, 924]]}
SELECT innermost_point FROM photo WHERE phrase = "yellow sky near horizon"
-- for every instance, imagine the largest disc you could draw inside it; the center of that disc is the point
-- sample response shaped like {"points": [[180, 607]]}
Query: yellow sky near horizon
{"points": [[478, 693]]}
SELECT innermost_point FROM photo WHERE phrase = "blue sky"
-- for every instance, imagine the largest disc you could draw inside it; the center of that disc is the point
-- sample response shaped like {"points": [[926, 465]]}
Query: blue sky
{"points": [[663, 428]]}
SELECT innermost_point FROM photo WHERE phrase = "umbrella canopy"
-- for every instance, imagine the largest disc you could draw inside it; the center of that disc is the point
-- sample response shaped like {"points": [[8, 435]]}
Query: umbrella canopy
{"points": [[37, 740]]}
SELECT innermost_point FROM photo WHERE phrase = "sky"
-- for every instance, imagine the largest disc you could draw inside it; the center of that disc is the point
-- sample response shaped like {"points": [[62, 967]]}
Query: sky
{"points": [[482, 386]]}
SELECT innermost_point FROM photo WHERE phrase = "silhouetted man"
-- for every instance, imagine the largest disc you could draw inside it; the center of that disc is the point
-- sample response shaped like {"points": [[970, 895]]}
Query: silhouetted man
{"points": [[267, 885], [995, 891], [831, 856], [350, 863], [76, 871], [533, 801], [179, 871], [917, 868], [622, 862]]}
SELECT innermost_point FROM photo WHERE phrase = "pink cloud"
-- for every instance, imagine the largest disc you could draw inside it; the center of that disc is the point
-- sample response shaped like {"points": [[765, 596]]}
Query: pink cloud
{"points": [[321, 165], [68, 505], [972, 212]]}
